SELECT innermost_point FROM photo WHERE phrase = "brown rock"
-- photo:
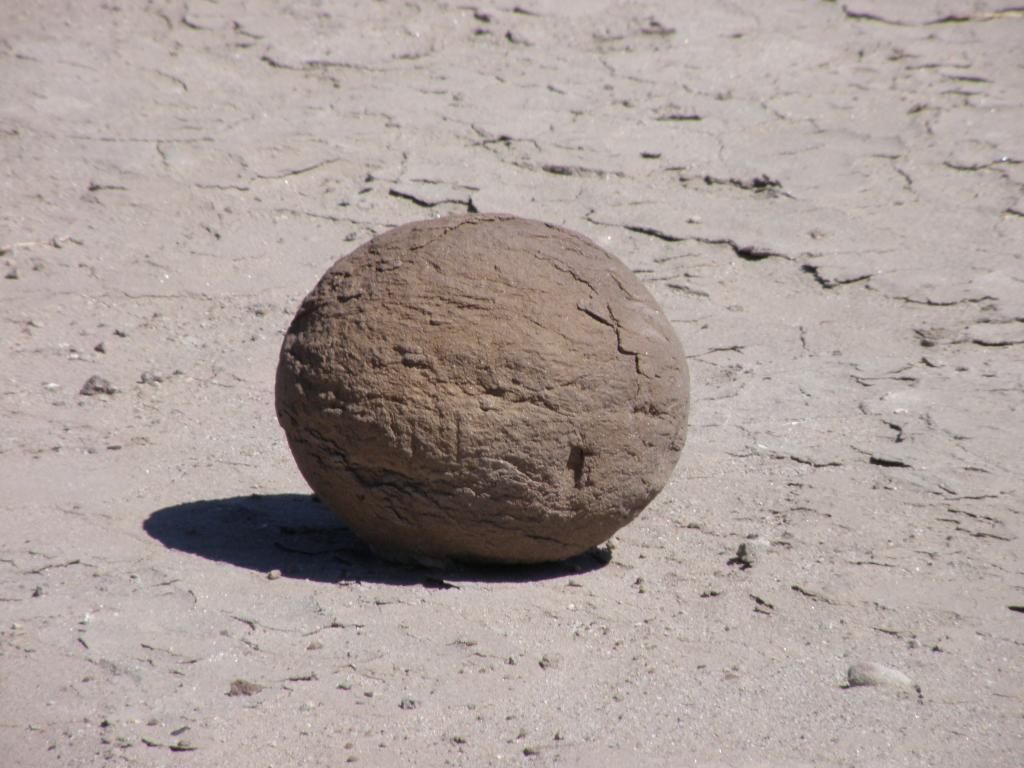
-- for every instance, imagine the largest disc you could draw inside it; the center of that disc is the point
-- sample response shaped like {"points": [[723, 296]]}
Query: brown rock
{"points": [[482, 388]]}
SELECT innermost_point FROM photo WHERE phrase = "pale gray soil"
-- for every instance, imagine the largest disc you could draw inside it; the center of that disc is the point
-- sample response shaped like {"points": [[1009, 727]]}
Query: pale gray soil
{"points": [[828, 202]]}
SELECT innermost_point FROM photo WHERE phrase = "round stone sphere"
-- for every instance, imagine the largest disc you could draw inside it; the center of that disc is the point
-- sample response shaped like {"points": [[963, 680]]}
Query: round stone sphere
{"points": [[482, 388]]}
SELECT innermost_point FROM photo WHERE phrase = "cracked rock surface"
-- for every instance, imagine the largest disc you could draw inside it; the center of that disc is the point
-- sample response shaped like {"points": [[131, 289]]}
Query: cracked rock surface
{"points": [[483, 388]]}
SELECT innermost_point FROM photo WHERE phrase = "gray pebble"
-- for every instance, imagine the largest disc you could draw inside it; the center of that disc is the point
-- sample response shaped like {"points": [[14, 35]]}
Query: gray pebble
{"points": [[97, 385], [750, 552], [871, 673]]}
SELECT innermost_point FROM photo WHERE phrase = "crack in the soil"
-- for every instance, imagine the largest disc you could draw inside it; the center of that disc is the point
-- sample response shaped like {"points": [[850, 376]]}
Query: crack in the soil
{"points": [[935, 303], [579, 170], [882, 461], [980, 166], [679, 117], [298, 171], [762, 184], [745, 252], [829, 284], [424, 203], [952, 18]]}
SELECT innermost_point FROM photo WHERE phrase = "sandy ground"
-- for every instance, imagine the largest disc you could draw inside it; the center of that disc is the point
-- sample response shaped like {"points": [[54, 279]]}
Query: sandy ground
{"points": [[828, 202]]}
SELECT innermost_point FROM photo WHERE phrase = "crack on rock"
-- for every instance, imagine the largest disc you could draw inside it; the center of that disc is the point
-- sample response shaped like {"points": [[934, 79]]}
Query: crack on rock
{"points": [[591, 313], [568, 271], [623, 288], [444, 233], [620, 348]]}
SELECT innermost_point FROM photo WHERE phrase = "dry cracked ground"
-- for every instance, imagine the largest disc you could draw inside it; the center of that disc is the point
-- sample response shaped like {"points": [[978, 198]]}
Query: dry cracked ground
{"points": [[828, 201]]}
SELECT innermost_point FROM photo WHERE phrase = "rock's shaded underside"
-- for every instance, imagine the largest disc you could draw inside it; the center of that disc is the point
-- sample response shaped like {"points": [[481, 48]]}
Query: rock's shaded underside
{"points": [[484, 388]]}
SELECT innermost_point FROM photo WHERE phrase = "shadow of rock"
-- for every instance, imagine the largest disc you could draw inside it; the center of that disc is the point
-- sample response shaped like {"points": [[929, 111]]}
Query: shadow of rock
{"points": [[298, 536]]}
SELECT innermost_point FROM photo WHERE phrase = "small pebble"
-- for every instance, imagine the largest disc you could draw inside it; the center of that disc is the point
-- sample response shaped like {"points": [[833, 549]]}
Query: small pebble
{"points": [[12, 273], [274, 574], [407, 704], [750, 553], [97, 385], [100, 347], [148, 377], [871, 673], [240, 687]]}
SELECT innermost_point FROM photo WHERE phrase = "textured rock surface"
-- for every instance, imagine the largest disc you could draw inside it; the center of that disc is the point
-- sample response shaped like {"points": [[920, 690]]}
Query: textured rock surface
{"points": [[483, 387]]}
